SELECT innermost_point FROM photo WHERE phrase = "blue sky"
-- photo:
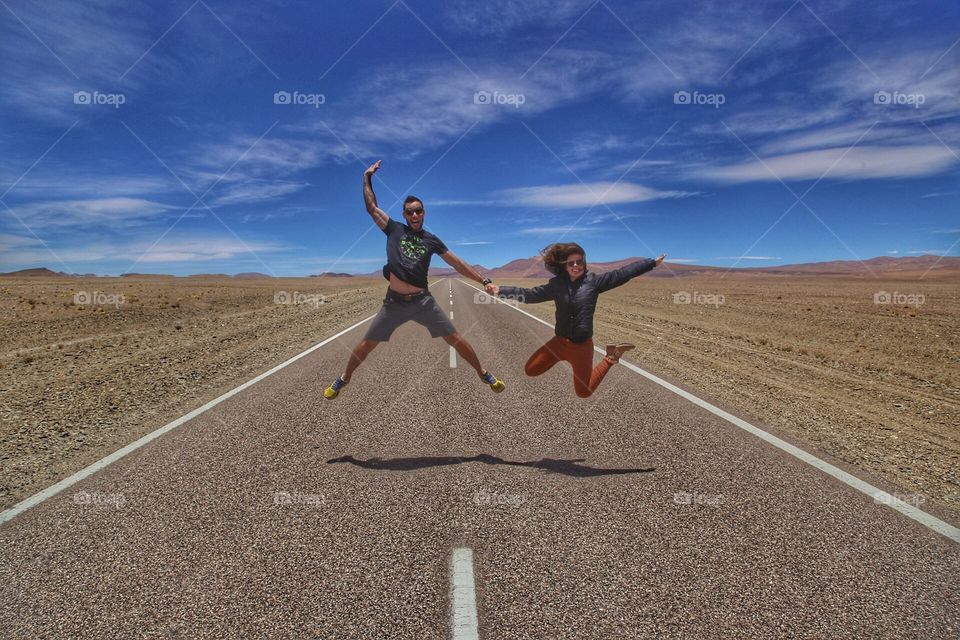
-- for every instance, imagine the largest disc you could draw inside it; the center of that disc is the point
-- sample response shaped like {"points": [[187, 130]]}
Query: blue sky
{"points": [[207, 136]]}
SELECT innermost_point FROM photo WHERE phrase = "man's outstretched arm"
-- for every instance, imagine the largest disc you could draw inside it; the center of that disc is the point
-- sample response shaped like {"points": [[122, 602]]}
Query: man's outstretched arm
{"points": [[462, 267], [370, 199]]}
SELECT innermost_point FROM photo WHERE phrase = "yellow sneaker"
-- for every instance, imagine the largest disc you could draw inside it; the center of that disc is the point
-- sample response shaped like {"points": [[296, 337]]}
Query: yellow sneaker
{"points": [[333, 390], [495, 383]]}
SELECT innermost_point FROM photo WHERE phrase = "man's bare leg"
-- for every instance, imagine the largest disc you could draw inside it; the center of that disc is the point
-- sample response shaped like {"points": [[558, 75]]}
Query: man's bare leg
{"points": [[465, 351], [358, 355]]}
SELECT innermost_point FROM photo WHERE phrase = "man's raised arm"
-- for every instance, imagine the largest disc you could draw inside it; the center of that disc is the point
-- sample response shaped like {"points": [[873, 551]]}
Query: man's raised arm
{"points": [[370, 200]]}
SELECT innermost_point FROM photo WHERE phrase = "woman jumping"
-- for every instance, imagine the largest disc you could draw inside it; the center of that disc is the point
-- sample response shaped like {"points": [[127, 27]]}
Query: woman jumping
{"points": [[575, 293]]}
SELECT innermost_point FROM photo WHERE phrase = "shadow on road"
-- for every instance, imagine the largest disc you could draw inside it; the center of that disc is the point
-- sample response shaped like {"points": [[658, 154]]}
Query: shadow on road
{"points": [[566, 467]]}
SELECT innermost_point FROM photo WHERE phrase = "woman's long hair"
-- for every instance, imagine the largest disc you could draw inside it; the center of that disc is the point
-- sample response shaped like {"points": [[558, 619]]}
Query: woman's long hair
{"points": [[555, 256]]}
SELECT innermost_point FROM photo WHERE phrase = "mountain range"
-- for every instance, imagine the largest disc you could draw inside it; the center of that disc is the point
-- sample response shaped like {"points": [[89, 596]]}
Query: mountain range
{"points": [[913, 266]]}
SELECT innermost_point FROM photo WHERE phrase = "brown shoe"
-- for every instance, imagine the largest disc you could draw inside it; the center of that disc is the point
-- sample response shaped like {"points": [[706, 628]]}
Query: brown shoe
{"points": [[614, 351]]}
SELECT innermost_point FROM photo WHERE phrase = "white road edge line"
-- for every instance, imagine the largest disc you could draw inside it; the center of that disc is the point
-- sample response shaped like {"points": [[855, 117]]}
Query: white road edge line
{"points": [[67, 482], [463, 598], [879, 496]]}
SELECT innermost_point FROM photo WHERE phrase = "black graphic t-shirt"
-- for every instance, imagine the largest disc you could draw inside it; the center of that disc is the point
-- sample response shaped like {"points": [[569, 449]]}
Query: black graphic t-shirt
{"points": [[409, 252]]}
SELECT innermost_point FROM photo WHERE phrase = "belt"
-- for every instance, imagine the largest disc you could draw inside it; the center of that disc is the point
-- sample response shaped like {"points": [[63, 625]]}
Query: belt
{"points": [[406, 297]]}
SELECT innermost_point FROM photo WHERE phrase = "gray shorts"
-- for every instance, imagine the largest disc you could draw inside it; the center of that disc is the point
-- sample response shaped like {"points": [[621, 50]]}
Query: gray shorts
{"points": [[423, 311]]}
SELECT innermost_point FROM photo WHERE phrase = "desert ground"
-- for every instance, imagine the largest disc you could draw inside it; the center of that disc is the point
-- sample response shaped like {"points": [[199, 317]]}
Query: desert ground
{"points": [[825, 360], [90, 364]]}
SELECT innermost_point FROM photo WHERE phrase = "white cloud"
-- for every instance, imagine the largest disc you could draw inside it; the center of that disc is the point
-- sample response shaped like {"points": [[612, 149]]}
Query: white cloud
{"points": [[256, 191], [746, 258], [497, 17], [21, 251], [194, 249], [552, 231], [438, 102], [585, 195], [258, 170], [53, 180], [105, 212], [94, 41], [857, 163]]}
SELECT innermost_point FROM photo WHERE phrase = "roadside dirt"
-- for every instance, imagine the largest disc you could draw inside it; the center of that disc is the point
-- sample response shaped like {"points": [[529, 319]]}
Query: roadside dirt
{"points": [[874, 385], [79, 381]]}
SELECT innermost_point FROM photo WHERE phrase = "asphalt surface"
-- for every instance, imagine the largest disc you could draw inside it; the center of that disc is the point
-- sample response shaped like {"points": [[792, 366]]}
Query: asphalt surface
{"points": [[631, 514]]}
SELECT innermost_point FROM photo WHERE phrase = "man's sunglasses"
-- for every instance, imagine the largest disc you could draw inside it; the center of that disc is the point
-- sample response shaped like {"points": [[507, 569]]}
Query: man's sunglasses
{"points": [[413, 211], [576, 263]]}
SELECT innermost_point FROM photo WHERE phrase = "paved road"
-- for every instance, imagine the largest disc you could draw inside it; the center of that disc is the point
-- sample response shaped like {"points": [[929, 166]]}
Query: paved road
{"points": [[632, 514]]}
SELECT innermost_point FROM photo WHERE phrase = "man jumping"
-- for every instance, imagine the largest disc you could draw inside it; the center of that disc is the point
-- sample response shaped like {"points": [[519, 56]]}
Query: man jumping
{"points": [[409, 249]]}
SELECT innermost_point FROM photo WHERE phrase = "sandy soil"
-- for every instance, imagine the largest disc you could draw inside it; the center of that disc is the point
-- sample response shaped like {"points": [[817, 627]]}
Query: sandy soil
{"points": [[81, 380], [875, 385]]}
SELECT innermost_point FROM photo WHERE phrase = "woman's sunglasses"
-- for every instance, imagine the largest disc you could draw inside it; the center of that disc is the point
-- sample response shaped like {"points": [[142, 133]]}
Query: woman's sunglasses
{"points": [[576, 263]]}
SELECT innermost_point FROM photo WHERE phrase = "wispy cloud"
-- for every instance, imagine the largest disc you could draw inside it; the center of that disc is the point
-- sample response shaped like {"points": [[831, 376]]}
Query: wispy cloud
{"points": [[196, 249], [585, 195], [560, 231], [496, 18], [175, 248], [108, 213], [258, 170], [857, 163], [745, 258]]}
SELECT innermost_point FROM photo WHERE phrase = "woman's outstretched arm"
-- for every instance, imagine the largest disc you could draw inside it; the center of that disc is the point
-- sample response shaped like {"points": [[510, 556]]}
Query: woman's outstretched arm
{"points": [[617, 277], [542, 293]]}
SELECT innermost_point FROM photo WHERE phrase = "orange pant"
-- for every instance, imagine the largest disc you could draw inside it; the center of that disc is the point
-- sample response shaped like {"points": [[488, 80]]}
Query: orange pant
{"points": [[586, 377]]}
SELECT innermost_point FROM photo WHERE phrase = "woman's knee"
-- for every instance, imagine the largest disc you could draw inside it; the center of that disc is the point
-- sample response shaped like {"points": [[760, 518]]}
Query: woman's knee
{"points": [[582, 386]]}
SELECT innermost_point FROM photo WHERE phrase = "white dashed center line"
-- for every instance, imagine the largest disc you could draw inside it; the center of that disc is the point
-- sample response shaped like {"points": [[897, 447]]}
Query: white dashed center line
{"points": [[463, 598]]}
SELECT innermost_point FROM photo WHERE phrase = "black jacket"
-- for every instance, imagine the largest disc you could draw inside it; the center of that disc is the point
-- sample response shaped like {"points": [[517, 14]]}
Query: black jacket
{"points": [[577, 301]]}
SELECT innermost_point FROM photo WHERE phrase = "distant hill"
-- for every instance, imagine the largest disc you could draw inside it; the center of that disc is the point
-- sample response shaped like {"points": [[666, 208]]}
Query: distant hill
{"points": [[533, 268], [146, 275], [913, 266], [447, 271], [435, 272], [40, 272], [887, 266]]}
